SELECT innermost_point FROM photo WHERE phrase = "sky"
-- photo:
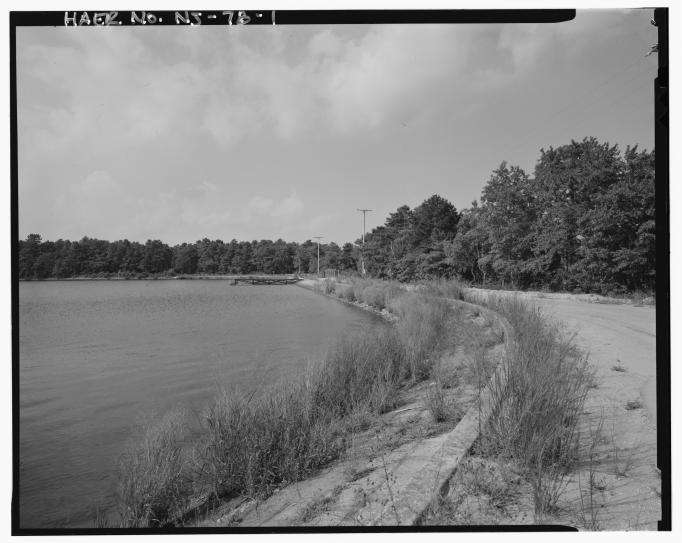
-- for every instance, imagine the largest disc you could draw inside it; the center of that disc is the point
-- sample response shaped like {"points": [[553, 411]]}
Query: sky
{"points": [[267, 132]]}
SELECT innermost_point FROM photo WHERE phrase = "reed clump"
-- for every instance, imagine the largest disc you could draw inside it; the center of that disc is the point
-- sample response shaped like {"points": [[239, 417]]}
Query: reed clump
{"points": [[372, 292], [423, 323], [253, 445]]}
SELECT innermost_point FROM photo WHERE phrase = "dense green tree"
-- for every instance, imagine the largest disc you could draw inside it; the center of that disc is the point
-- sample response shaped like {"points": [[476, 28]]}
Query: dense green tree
{"points": [[158, 257], [435, 219], [568, 180], [186, 259], [29, 252], [347, 259], [469, 250], [508, 213]]}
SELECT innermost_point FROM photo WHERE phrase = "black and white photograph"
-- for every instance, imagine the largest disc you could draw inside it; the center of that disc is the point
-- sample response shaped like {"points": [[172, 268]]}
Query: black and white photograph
{"points": [[340, 271]]}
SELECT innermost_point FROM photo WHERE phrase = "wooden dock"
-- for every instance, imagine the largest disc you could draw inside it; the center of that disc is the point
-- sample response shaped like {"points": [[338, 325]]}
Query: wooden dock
{"points": [[266, 279]]}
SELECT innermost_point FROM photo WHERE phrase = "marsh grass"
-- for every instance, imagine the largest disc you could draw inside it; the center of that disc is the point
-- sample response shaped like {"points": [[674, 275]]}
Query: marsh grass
{"points": [[377, 294], [345, 292], [253, 445], [422, 326], [443, 288], [539, 393], [154, 482], [361, 374], [441, 403], [329, 286], [442, 407]]}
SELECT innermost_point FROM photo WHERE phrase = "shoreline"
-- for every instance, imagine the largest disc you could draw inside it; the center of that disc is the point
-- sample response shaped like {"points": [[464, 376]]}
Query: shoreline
{"points": [[635, 298], [311, 284], [180, 277]]}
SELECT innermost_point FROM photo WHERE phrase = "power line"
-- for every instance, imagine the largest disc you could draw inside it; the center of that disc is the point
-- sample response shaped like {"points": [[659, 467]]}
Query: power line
{"points": [[318, 238], [364, 229]]}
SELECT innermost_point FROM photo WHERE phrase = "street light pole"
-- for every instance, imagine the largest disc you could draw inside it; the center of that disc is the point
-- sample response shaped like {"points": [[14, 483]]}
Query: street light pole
{"points": [[318, 238], [364, 230]]}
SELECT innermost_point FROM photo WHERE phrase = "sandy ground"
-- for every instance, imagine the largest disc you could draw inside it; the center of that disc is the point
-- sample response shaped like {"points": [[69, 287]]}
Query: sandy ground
{"points": [[620, 479]]}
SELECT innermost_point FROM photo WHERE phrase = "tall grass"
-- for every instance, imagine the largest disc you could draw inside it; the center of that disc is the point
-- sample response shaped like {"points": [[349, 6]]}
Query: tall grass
{"points": [[377, 294], [423, 323], [446, 288], [539, 393], [154, 482], [253, 445], [361, 374]]}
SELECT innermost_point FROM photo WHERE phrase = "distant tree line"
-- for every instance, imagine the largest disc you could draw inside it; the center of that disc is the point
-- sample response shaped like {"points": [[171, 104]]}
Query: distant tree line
{"points": [[91, 257], [583, 221]]}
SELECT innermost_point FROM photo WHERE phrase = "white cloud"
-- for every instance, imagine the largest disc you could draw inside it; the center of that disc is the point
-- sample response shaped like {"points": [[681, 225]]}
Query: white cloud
{"points": [[528, 43], [117, 86], [124, 87], [259, 204], [287, 207], [93, 204], [291, 205], [98, 185]]}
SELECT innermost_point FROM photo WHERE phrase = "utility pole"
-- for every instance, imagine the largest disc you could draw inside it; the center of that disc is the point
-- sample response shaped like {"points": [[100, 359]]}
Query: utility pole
{"points": [[318, 238], [364, 229]]}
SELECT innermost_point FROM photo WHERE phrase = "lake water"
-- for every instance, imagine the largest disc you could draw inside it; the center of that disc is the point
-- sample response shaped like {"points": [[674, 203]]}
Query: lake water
{"points": [[96, 356]]}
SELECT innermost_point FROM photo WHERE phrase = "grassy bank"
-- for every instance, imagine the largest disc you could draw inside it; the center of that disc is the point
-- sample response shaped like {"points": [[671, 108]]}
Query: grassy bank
{"points": [[252, 445], [532, 436]]}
